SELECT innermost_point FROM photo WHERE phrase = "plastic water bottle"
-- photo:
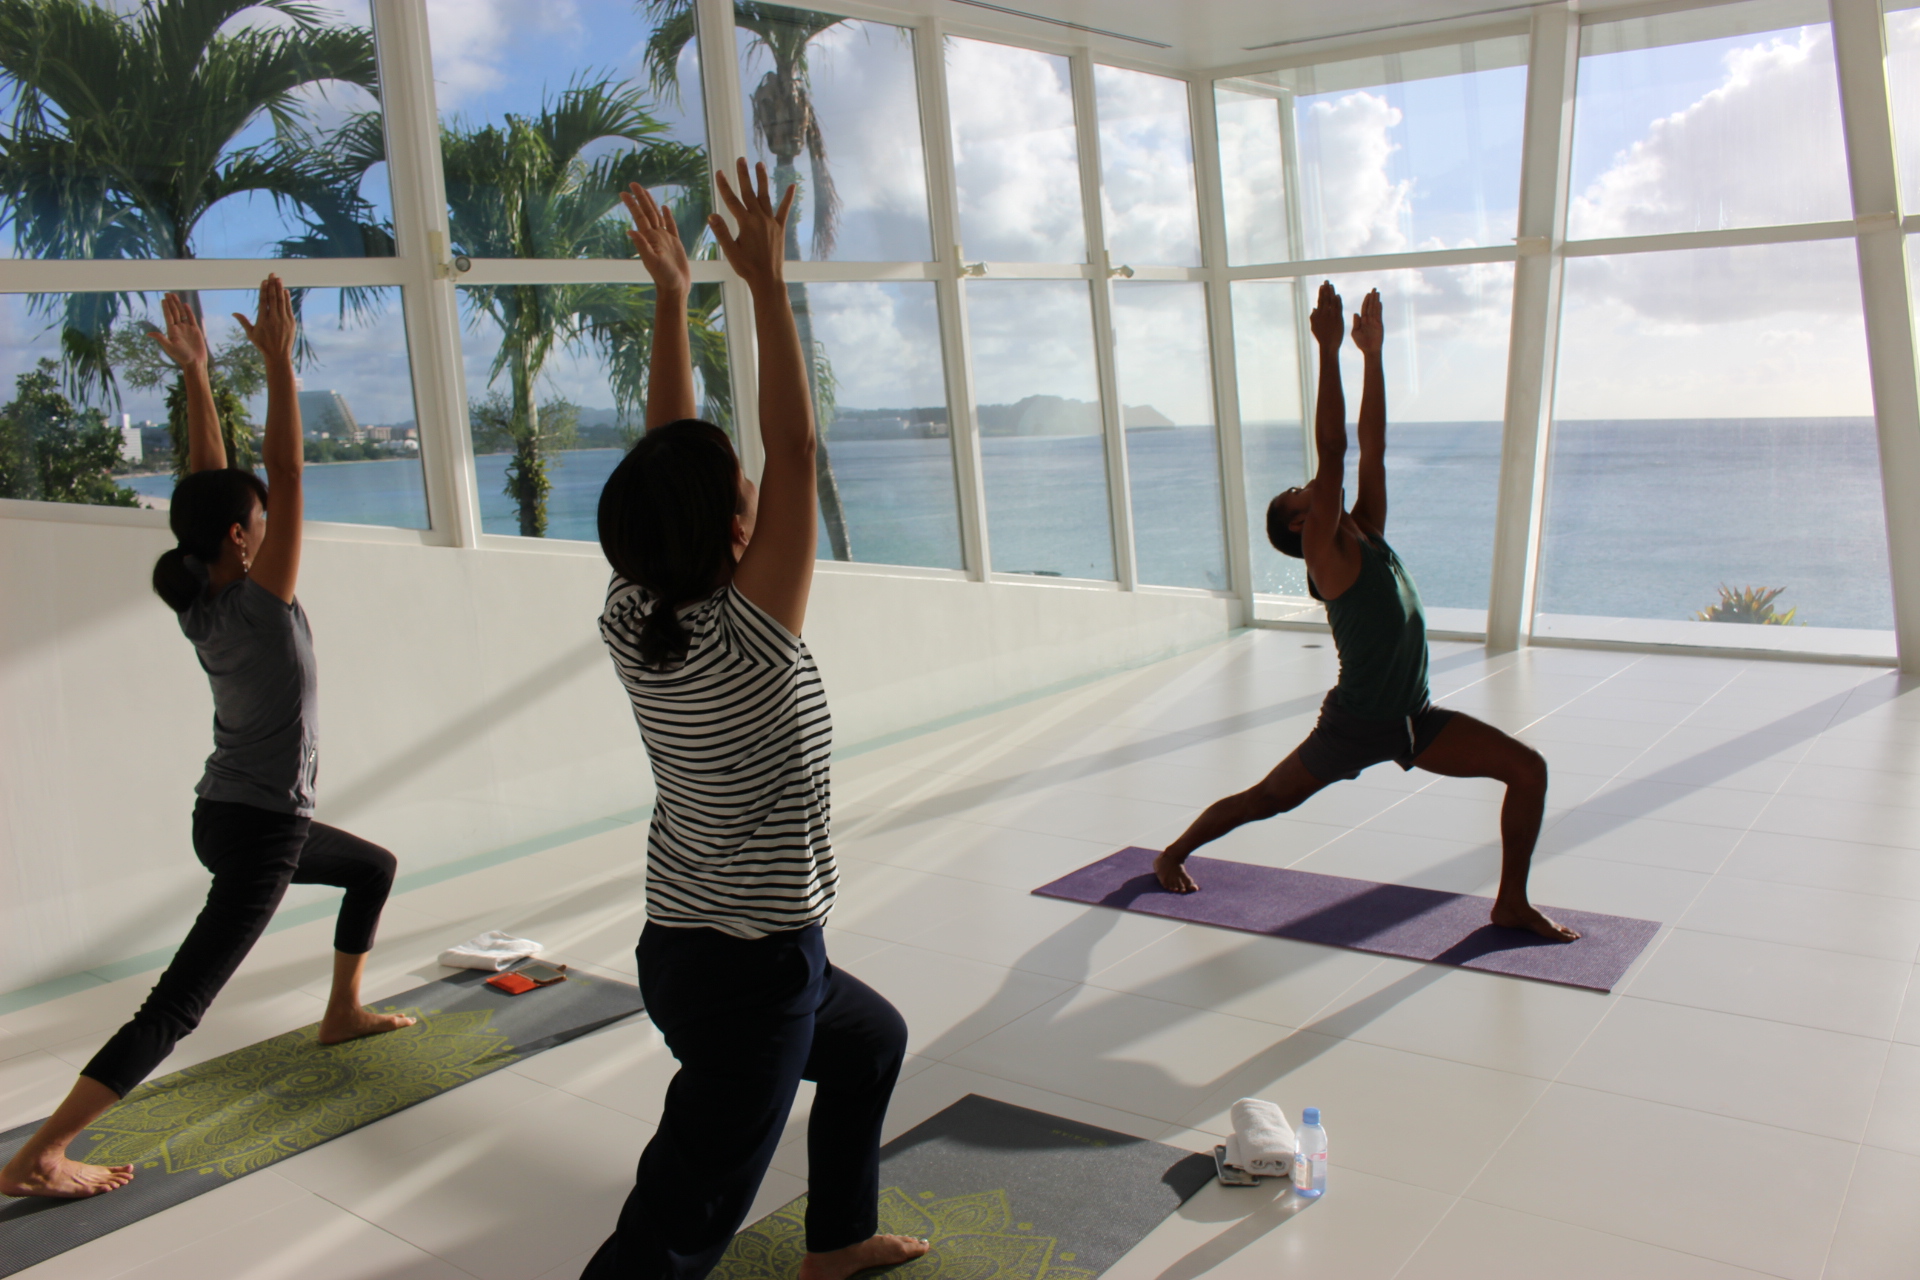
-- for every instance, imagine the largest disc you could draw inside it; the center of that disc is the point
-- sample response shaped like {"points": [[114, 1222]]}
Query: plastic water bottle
{"points": [[1310, 1160]]}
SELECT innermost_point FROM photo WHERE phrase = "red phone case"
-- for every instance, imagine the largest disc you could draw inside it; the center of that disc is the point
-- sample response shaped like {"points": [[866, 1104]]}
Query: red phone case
{"points": [[512, 983]]}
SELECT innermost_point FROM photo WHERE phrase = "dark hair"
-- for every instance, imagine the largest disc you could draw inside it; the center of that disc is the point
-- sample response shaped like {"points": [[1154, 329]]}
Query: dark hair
{"points": [[1286, 541], [666, 524], [205, 505]]}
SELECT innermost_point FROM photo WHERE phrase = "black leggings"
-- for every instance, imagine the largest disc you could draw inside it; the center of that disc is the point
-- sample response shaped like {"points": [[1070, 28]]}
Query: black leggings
{"points": [[254, 855], [748, 1021]]}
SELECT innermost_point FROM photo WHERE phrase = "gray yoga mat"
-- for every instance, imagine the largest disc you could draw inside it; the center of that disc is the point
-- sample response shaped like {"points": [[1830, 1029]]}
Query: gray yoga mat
{"points": [[1388, 919], [201, 1128], [1003, 1193]]}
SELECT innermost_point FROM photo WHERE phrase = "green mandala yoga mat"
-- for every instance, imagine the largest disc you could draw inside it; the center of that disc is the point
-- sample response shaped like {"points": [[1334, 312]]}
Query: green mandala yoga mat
{"points": [[198, 1129], [1003, 1193]]}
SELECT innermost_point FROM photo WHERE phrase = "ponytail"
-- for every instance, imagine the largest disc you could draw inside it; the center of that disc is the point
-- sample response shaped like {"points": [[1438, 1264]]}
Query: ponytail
{"points": [[205, 505], [666, 524]]}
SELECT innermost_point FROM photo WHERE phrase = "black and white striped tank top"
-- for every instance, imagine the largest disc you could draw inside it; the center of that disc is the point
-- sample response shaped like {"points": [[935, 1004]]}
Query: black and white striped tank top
{"points": [[740, 740]]}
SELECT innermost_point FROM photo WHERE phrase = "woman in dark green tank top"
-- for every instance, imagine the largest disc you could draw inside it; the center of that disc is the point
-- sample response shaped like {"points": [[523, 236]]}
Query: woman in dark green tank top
{"points": [[1380, 710]]}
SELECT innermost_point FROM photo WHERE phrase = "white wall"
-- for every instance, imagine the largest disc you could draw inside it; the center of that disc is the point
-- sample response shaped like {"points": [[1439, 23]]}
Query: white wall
{"points": [[466, 703]]}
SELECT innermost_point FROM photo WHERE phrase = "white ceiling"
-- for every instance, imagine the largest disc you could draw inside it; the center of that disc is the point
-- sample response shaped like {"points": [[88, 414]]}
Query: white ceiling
{"points": [[1217, 33]]}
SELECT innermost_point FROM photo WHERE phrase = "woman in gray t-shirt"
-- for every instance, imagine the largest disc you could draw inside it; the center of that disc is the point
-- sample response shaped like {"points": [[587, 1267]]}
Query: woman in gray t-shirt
{"points": [[231, 581]]}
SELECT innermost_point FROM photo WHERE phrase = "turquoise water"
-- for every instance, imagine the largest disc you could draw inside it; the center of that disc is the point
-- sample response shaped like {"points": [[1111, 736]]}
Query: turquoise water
{"points": [[1643, 519]]}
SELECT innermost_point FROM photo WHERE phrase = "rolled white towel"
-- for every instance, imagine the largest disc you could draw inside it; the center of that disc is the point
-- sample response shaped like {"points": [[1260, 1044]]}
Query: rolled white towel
{"points": [[492, 951], [1262, 1139]]}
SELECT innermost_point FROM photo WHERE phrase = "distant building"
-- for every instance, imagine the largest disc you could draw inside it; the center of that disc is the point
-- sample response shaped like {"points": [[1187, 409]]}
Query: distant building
{"points": [[131, 448], [326, 413]]}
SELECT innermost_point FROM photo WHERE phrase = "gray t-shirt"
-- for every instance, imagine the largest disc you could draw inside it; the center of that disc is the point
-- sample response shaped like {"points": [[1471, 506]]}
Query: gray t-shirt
{"points": [[258, 656]]}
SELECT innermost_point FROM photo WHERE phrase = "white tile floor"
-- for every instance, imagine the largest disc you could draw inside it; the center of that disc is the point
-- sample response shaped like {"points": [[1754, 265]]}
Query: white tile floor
{"points": [[1747, 1104]]}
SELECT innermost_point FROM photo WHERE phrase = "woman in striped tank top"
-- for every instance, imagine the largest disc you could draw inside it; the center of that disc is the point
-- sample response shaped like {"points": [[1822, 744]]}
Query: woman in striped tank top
{"points": [[703, 619]]}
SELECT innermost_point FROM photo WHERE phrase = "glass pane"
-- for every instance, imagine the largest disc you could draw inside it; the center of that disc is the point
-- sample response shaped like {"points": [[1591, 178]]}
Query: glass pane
{"points": [[1903, 84], [107, 159], [1266, 351], [1173, 455], [548, 111], [1446, 365], [1146, 168], [1689, 122], [1015, 154], [112, 443], [1397, 152], [1738, 455], [833, 104], [552, 410], [1041, 446], [881, 399]]}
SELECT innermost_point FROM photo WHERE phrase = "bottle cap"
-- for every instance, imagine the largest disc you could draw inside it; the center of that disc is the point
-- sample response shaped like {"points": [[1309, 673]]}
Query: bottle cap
{"points": [[1310, 1116]]}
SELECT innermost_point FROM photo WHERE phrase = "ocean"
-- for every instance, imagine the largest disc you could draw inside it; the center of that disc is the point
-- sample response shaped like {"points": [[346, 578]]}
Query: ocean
{"points": [[1643, 519]]}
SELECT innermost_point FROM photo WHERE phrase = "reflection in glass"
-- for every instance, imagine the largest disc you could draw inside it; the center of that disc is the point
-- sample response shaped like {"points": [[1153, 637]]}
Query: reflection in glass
{"points": [[1446, 364], [1014, 153], [547, 112], [1266, 350], [556, 392], [1689, 122], [1042, 450], [1740, 453], [832, 104], [126, 445], [1173, 456], [1397, 152], [881, 403], [1146, 168], [1903, 86]]}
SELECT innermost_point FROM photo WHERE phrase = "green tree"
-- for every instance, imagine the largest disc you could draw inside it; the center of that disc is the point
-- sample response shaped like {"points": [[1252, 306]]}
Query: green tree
{"points": [[527, 188], [785, 124], [51, 451], [235, 370], [124, 135]]}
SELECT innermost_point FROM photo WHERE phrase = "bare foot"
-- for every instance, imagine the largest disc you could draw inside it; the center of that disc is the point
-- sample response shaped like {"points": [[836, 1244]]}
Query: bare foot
{"points": [[336, 1028], [874, 1251], [59, 1178], [1526, 916], [1173, 874]]}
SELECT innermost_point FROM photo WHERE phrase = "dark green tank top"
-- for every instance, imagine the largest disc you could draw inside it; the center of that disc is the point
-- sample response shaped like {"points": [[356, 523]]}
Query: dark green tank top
{"points": [[1381, 635]]}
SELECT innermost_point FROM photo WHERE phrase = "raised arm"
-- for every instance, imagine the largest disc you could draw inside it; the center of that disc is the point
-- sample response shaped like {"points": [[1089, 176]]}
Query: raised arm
{"points": [[1332, 564], [670, 369], [1370, 501], [272, 330], [776, 570], [185, 343]]}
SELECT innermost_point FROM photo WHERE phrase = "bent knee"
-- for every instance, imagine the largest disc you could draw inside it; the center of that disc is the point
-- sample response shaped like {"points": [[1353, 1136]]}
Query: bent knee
{"points": [[1529, 771]]}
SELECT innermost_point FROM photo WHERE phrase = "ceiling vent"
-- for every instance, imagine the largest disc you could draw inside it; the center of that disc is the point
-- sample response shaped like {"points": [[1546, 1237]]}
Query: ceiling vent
{"points": [[1062, 22]]}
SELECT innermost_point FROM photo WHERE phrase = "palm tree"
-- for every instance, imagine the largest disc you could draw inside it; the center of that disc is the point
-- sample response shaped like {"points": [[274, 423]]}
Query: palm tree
{"points": [[123, 135], [785, 124], [526, 189]]}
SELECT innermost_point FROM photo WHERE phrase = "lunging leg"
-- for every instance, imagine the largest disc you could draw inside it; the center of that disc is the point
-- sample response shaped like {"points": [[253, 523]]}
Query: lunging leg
{"points": [[1287, 787]]}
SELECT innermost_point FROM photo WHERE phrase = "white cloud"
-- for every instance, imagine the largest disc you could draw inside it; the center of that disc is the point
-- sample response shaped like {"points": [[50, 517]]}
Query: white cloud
{"points": [[1015, 153], [1031, 337], [1250, 177], [1763, 147], [883, 341], [1352, 205], [1146, 163], [473, 40], [1160, 349]]}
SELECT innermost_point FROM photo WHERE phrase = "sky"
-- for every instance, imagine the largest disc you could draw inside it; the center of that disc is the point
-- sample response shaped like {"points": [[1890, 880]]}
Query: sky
{"points": [[1684, 136]]}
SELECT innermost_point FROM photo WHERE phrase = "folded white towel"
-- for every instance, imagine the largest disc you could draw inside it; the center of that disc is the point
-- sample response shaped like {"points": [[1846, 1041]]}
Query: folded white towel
{"points": [[1262, 1140], [493, 951]]}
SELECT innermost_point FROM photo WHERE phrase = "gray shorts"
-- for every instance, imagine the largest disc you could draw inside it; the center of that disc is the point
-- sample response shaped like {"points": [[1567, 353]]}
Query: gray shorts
{"points": [[1342, 744]]}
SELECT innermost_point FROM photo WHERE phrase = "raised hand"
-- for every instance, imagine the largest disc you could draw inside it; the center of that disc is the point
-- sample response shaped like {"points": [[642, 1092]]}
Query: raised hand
{"points": [[1369, 329], [272, 329], [184, 342], [757, 250], [656, 238], [1327, 323]]}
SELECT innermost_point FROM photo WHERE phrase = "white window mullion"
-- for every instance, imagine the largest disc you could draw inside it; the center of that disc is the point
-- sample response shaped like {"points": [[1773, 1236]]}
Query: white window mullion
{"points": [[727, 142], [1533, 346], [1859, 50], [963, 429], [432, 309], [1226, 376], [1112, 412]]}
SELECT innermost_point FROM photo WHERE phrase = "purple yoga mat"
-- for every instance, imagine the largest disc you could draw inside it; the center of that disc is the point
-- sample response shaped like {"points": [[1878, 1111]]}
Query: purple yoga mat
{"points": [[1388, 919]]}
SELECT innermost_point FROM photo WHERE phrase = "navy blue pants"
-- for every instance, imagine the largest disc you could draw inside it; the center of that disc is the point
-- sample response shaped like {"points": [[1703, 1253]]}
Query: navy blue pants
{"points": [[748, 1020], [254, 855]]}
